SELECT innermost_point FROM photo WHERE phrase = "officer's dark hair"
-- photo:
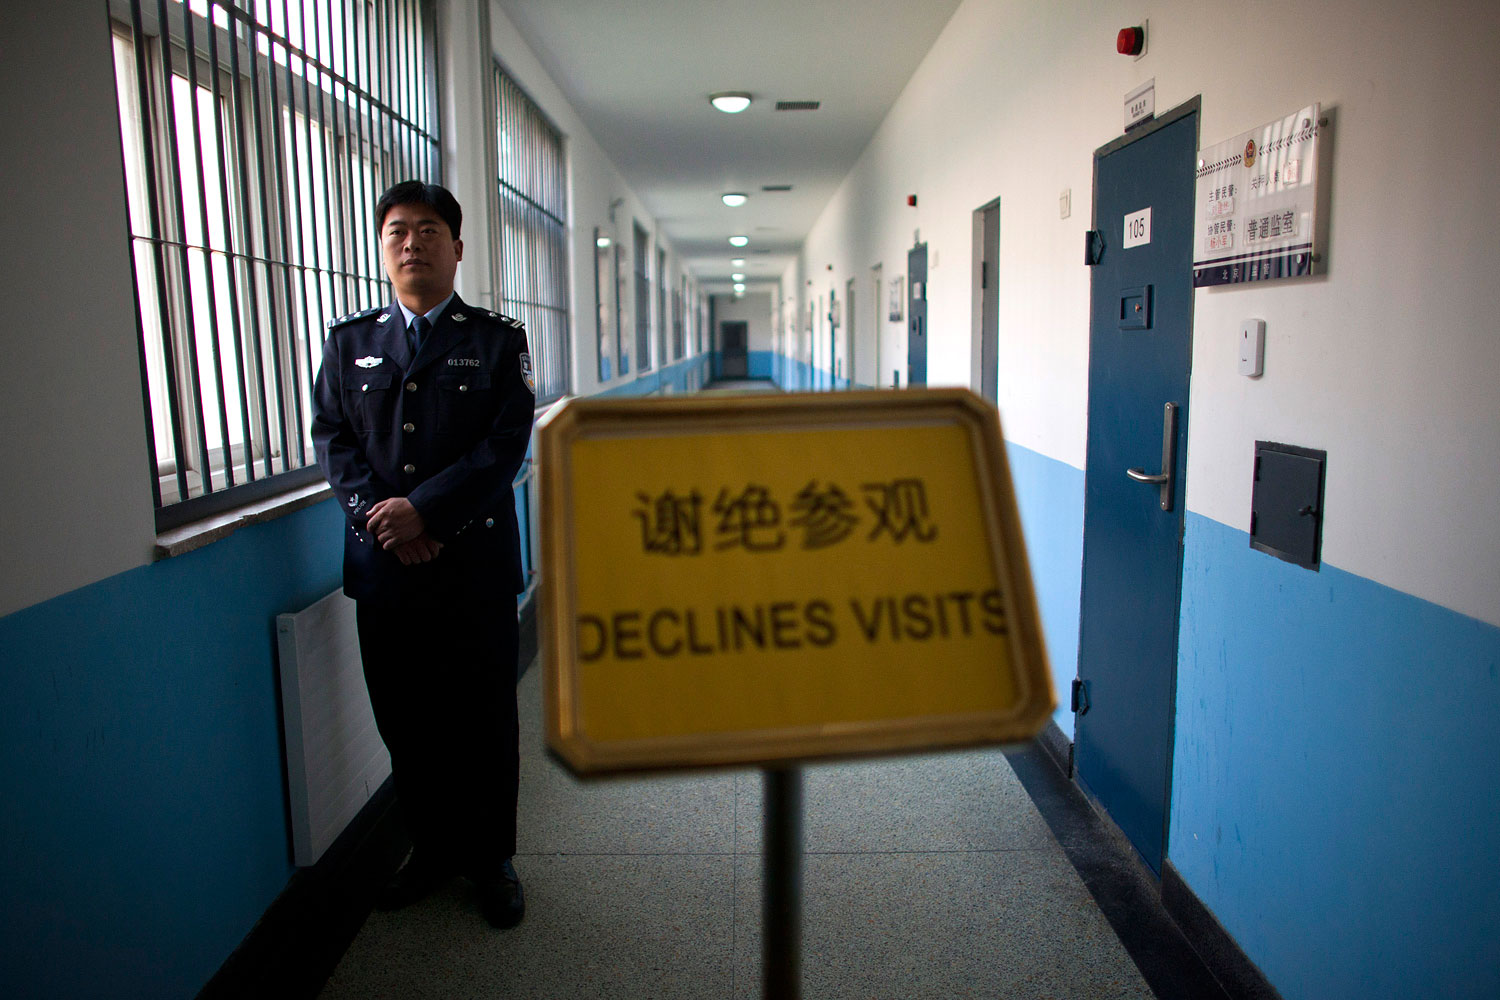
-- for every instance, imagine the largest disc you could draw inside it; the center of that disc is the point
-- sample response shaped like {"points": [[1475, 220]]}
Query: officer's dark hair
{"points": [[434, 196]]}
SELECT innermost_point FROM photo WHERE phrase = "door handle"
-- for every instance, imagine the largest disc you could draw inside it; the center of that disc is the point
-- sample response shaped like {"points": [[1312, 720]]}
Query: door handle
{"points": [[1168, 458]]}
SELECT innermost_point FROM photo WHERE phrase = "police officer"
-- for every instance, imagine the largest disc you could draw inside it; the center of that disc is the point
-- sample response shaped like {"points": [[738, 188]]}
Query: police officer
{"points": [[422, 413]]}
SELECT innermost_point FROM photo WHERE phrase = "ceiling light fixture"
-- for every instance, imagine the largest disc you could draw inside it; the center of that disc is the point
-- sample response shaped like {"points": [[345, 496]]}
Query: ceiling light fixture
{"points": [[739, 287], [738, 241], [731, 102], [737, 276], [737, 262], [734, 199], [601, 242]]}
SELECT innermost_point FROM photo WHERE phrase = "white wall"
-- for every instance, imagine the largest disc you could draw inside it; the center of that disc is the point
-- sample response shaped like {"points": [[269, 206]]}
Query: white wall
{"points": [[754, 309], [1388, 362], [595, 184], [78, 486]]}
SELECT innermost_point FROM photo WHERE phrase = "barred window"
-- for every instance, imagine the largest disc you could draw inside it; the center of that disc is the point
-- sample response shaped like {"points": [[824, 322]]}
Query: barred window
{"points": [[258, 136], [534, 233]]}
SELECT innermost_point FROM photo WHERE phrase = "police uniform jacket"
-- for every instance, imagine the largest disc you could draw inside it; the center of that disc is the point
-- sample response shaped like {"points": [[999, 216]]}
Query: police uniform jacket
{"points": [[447, 429]]}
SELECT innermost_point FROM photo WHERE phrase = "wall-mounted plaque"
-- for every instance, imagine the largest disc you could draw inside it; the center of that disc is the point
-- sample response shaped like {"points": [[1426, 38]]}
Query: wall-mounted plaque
{"points": [[1256, 203]]}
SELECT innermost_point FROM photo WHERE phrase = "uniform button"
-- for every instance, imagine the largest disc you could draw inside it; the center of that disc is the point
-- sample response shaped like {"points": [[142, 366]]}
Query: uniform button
{"points": [[408, 428], [489, 522], [411, 387], [408, 468], [365, 387], [463, 388]]}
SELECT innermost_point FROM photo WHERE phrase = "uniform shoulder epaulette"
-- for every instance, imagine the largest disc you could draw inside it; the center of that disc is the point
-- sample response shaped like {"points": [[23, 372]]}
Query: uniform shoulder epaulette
{"points": [[343, 320], [503, 319]]}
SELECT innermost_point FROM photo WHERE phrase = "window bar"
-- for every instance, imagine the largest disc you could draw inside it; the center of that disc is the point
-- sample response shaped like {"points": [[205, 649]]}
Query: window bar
{"points": [[328, 118], [242, 143], [348, 207], [268, 169], [408, 95], [310, 262], [152, 456], [231, 265], [158, 249], [293, 225], [168, 106], [286, 358], [321, 239], [382, 54], [432, 54], [363, 108]]}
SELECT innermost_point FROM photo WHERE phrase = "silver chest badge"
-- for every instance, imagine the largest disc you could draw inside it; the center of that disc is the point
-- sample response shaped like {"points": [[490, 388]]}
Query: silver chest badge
{"points": [[369, 362]]}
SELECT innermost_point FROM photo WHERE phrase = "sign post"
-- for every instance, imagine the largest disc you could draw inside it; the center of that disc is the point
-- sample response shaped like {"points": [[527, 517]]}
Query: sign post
{"points": [[781, 884], [771, 579]]}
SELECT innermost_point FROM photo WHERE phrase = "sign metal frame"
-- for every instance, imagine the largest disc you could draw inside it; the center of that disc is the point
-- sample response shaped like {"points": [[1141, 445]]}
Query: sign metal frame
{"points": [[600, 418]]}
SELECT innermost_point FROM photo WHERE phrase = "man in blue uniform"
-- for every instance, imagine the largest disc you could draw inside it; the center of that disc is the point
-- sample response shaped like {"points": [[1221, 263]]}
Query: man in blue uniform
{"points": [[422, 414]]}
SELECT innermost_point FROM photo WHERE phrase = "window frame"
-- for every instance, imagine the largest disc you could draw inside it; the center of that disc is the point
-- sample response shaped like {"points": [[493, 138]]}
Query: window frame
{"points": [[303, 131]]}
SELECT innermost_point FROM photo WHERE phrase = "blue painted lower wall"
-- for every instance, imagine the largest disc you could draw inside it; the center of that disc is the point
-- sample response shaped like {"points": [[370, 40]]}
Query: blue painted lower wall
{"points": [[1334, 796], [143, 825], [1049, 494], [791, 374], [682, 376]]}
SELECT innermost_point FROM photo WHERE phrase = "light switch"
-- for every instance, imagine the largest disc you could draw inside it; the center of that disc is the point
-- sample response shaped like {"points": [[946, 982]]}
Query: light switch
{"points": [[1252, 347]]}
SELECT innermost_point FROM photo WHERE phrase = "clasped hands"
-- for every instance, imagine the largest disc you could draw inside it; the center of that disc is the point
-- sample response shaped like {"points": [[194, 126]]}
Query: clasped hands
{"points": [[399, 528]]}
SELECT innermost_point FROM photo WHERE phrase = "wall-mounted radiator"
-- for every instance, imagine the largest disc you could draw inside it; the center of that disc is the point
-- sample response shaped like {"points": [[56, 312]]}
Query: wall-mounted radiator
{"points": [[334, 757]]}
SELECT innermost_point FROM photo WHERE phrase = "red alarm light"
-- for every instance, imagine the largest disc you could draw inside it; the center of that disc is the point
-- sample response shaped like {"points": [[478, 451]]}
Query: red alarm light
{"points": [[911, 199], [1130, 41]]}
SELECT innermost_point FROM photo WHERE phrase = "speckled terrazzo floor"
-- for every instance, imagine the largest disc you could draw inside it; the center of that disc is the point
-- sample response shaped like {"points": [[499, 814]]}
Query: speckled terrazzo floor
{"points": [[924, 877]]}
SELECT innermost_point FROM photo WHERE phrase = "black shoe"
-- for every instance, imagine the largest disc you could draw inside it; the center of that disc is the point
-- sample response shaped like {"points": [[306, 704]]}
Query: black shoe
{"points": [[500, 897], [414, 881]]}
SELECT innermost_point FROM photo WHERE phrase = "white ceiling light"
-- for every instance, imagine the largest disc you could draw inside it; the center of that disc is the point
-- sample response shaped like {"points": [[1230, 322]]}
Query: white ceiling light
{"points": [[731, 102], [734, 199], [601, 242], [738, 241], [740, 288], [737, 262], [737, 276]]}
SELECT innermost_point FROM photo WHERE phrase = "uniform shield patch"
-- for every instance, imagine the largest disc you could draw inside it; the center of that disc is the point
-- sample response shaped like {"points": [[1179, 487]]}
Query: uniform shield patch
{"points": [[527, 374]]}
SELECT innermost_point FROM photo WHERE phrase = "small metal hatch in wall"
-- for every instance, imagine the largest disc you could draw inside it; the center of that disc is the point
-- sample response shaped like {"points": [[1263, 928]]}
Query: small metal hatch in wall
{"points": [[1286, 502]]}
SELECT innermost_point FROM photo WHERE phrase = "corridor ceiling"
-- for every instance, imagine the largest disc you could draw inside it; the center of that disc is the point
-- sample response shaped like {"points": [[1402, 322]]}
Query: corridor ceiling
{"points": [[639, 72]]}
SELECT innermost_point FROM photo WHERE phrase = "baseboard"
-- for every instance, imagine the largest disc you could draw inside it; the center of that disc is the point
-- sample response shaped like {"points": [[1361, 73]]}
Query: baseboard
{"points": [[1058, 746], [1240, 977], [1180, 947], [294, 947]]}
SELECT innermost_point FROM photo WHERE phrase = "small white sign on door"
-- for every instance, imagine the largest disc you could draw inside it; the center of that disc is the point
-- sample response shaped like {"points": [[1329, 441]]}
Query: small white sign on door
{"points": [[1137, 229]]}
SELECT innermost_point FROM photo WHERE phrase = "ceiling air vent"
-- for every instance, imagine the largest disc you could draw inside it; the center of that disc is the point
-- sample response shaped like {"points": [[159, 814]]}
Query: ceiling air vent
{"points": [[797, 105], [775, 187]]}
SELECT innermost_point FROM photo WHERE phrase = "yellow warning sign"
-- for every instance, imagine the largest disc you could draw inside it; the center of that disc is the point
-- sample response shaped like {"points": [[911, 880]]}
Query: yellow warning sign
{"points": [[771, 578]]}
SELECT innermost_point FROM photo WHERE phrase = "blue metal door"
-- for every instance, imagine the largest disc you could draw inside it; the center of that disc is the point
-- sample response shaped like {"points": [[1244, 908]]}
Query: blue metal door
{"points": [[1140, 349], [916, 315]]}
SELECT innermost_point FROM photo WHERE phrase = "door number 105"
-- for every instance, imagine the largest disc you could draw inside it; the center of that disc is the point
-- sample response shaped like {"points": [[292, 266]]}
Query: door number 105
{"points": [[1137, 228]]}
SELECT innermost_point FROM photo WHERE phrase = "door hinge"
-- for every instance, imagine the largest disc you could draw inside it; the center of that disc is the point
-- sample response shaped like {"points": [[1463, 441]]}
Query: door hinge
{"points": [[1093, 247], [1080, 697]]}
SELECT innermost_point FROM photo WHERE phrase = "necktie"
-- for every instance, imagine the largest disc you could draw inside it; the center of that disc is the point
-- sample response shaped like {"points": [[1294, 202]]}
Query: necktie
{"points": [[416, 333]]}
